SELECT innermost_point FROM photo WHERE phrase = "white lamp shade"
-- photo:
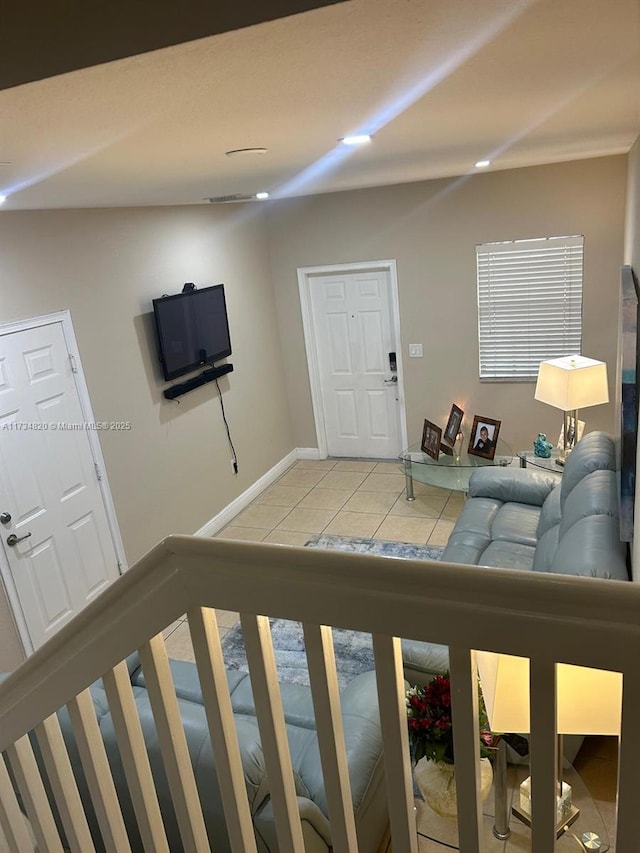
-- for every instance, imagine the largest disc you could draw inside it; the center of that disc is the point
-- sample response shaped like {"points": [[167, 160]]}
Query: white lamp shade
{"points": [[572, 382], [589, 701]]}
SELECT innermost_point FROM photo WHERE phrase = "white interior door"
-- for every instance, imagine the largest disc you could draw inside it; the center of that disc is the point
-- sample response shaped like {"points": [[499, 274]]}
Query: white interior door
{"points": [[54, 526], [354, 337]]}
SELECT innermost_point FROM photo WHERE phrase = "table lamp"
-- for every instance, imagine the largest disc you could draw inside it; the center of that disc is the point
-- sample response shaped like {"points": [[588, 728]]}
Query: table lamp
{"points": [[505, 688], [571, 383]]}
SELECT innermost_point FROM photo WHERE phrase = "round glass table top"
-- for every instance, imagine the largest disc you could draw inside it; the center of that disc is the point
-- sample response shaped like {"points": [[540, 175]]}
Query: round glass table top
{"points": [[503, 456], [449, 471], [529, 459]]}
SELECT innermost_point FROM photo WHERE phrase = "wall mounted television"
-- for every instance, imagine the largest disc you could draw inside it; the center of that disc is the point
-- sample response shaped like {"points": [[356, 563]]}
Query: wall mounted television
{"points": [[192, 328]]}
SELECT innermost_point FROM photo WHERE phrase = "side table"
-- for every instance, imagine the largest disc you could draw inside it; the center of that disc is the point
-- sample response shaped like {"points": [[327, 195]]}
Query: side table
{"points": [[529, 459], [448, 472]]}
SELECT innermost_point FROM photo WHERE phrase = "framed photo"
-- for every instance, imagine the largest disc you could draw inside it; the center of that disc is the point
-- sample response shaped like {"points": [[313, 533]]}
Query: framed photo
{"points": [[484, 437], [431, 435], [453, 424]]}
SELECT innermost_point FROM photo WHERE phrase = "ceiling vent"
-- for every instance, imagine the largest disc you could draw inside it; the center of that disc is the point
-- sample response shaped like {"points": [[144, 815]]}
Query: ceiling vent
{"points": [[225, 199]]}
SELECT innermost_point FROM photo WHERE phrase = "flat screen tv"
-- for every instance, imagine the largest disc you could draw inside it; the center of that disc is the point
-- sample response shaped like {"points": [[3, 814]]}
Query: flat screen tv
{"points": [[192, 329]]}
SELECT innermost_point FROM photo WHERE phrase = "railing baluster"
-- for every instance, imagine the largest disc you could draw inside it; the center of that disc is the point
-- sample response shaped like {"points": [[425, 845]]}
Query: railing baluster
{"points": [[318, 643], [268, 703], [544, 763], [222, 730], [173, 744], [63, 785], [34, 797], [98, 773], [135, 760], [12, 820], [464, 710], [393, 719]]}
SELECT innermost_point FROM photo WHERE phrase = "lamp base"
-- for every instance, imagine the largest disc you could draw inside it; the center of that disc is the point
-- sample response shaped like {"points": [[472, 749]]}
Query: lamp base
{"points": [[571, 816], [566, 812]]}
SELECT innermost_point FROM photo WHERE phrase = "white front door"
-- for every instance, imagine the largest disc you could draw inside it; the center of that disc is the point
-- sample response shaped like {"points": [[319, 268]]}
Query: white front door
{"points": [[53, 523], [354, 339]]}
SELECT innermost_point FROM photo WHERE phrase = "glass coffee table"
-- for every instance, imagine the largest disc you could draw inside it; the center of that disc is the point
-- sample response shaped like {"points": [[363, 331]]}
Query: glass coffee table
{"points": [[588, 831], [448, 472], [529, 459]]}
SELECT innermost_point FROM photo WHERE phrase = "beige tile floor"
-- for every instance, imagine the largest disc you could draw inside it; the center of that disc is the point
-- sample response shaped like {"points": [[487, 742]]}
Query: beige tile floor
{"points": [[366, 498]]}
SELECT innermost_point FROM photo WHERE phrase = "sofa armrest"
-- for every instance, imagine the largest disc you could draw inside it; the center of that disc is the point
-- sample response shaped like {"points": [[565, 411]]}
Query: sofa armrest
{"points": [[316, 829], [512, 484]]}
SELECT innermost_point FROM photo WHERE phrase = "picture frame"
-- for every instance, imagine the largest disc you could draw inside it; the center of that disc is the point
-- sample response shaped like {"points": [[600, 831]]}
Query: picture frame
{"points": [[431, 439], [484, 437], [453, 425]]}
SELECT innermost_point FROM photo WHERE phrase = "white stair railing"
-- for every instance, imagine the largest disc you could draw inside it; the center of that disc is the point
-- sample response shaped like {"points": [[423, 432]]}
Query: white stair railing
{"points": [[586, 622]]}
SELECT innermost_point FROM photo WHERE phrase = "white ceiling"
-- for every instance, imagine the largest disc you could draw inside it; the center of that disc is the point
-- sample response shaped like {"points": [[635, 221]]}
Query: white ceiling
{"points": [[441, 84]]}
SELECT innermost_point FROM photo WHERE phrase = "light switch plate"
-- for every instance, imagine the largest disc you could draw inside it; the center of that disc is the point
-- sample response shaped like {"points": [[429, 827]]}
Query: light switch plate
{"points": [[415, 350]]}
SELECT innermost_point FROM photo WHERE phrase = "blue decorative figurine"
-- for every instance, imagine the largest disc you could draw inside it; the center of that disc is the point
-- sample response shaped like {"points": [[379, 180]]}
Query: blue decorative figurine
{"points": [[542, 447]]}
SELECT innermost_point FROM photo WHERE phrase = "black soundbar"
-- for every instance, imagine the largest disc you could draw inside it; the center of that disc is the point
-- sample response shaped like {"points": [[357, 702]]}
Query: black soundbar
{"points": [[207, 376]]}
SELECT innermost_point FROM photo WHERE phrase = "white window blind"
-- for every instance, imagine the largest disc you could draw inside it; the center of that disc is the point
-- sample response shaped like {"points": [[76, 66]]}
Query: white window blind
{"points": [[529, 304]]}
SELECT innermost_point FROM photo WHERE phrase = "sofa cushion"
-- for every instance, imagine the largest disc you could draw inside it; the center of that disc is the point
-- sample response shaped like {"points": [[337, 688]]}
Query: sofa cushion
{"points": [[477, 517], [595, 494], [551, 512], [546, 549], [592, 548], [185, 680], [594, 452], [422, 661], [516, 522], [508, 555], [522, 485], [484, 520]]}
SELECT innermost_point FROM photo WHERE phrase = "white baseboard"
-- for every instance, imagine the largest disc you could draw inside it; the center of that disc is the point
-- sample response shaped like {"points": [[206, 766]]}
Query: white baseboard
{"points": [[242, 501], [309, 453]]}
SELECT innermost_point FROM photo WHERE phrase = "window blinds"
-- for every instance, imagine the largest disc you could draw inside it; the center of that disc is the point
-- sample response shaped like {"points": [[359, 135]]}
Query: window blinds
{"points": [[529, 304]]}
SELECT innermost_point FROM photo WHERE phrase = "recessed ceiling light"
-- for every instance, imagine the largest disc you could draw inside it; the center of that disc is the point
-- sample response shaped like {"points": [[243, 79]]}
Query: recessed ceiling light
{"points": [[482, 164], [262, 195], [3, 198], [359, 139], [236, 152]]}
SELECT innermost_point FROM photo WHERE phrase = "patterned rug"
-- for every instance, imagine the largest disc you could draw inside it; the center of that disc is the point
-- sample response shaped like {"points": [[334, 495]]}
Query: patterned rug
{"points": [[354, 653], [378, 547]]}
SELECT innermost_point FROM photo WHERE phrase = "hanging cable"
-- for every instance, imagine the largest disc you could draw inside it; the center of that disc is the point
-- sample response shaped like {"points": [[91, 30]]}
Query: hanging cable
{"points": [[224, 418]]}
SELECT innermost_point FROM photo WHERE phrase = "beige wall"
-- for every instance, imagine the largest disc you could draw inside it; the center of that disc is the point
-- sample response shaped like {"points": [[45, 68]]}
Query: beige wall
{"points": [[172, 472], [431, 229]]}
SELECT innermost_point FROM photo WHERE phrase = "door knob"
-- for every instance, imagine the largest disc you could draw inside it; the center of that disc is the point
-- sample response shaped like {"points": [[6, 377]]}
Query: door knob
{"points": [[12, 539], [392, 381], [5, 517]]}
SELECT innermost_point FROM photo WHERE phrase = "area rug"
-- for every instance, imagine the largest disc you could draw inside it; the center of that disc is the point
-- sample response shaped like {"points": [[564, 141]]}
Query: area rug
{"points": [[377, 547], [353, 650]]}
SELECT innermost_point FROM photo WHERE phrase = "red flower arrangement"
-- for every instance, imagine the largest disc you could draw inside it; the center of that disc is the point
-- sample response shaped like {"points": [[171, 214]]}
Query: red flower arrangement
{"points": [[430, 723]]}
